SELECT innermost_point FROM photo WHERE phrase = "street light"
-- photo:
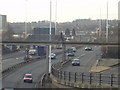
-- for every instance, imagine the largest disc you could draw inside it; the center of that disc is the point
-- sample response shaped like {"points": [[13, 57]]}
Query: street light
{"points": [[56, 18], [26, 20], [107, 24], [107, 29], [50, 39]]}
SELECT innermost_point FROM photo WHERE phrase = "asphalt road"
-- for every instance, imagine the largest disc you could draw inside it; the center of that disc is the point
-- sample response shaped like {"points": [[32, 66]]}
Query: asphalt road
{"points": [[17, 57], [14, 54], [37, 69], [15, 80], [87, 59]]}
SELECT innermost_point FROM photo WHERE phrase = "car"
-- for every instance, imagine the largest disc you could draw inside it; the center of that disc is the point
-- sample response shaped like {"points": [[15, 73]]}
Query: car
{"points": [[76, 62], [53, 55], [67, 39], [32, 52], [59, 47], [28, 78], [28, 57], [88, 48], [70, 54], [74, 49]]}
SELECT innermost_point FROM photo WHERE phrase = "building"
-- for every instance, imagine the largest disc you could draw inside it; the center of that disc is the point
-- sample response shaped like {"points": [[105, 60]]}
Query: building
{"points": [[3, 22], [43, 31]]}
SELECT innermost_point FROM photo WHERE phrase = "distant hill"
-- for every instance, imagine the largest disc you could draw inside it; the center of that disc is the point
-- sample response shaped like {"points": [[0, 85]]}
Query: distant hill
{"points": [[78, 25]]}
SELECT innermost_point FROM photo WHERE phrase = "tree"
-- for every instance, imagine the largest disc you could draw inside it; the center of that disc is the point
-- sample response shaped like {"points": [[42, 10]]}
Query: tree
{"points": [[8, 34], [67, 32], [73, 32]]}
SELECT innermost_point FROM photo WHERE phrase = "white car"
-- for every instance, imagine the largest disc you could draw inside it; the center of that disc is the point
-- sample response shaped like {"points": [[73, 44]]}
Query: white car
{"points": [[53, 55], [28, 78], [88, 48], [76, 62], [74, 49], [32, 52]]}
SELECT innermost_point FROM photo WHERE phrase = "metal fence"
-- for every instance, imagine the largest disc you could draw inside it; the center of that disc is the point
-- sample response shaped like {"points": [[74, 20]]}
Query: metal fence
{"points": [[90, 78]]}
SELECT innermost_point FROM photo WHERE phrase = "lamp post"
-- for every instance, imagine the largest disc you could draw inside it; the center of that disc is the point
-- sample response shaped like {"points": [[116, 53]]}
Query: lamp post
{"points": [[107, 29], [50, 39], [26, 20], [26, 47], [107, 24], [56, 18]]}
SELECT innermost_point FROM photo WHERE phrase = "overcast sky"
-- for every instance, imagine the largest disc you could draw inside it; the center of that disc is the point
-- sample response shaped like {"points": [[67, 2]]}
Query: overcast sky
{"points": [[67, 10]]}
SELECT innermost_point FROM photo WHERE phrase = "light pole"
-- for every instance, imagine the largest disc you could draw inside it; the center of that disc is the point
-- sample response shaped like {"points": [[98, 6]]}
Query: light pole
{"points": [[26, 47], [26, 20], [50, 39], [100, 29], [56, 18], [107, 29], [107, 24]]}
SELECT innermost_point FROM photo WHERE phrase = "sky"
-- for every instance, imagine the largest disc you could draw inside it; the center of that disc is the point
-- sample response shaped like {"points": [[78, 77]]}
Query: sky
{"points": [[67, 10]]}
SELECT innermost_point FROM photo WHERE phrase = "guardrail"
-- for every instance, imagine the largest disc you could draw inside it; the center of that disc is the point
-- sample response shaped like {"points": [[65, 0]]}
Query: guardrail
{"points": [[42, 82], [14, 67], [76, 79]]}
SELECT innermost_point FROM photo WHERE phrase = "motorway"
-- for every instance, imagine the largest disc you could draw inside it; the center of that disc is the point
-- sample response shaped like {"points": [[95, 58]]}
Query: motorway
{"points": [[15, 58], [38, 68], [87, 59], [14, 54], [14, 80]]}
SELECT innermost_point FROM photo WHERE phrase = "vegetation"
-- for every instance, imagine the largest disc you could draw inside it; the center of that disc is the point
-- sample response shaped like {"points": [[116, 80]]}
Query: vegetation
{"points": [[67, 32], [111, 52], [8, 34], [73, 32]]}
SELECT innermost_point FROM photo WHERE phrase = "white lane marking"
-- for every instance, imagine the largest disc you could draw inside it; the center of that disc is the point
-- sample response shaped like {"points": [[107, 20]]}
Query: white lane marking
{"points": [[17, 58], [82, 55]]}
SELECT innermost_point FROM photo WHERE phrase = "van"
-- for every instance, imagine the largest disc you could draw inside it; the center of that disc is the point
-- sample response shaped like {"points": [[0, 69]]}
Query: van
{"points": [[32, 52]]}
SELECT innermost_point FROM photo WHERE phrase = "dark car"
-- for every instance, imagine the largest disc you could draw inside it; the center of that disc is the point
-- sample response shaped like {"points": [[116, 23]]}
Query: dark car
{"points": [[76, 62], [88, 48]]}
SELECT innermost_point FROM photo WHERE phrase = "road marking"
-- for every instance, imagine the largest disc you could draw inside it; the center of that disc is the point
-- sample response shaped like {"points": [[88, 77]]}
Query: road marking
{"points": [[82, 55]]}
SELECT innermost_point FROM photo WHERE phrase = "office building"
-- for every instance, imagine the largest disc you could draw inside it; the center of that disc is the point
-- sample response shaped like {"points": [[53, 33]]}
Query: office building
{"points": [[3, 22]]}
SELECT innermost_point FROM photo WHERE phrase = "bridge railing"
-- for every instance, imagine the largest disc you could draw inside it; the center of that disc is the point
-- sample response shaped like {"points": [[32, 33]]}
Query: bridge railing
{"points": [[97, 79], [47, 38]]}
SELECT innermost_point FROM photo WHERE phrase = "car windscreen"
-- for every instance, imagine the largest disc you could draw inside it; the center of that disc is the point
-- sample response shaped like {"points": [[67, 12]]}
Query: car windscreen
{"points": [[75, 60], [28, 76]]}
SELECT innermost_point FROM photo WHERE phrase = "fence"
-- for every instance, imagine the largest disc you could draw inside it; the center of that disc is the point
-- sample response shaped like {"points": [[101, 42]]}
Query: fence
{"points": [[89, 78]]}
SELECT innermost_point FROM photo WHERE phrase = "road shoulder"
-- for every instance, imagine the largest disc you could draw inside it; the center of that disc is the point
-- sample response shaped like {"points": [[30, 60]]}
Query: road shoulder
{"points": [[104, 64]]}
